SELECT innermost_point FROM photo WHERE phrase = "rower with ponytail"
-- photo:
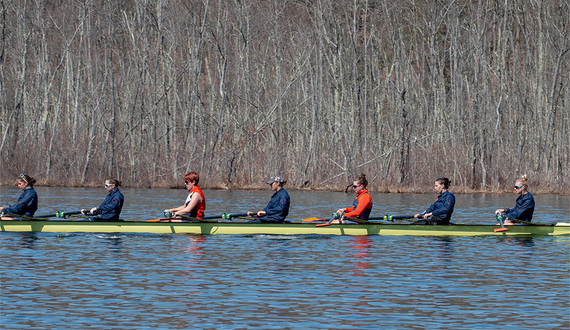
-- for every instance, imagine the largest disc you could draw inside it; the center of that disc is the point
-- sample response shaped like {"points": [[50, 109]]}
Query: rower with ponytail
{"points": [[524, 207]]}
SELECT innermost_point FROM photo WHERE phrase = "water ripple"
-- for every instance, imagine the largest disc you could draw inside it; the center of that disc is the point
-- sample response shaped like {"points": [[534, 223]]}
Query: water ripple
{"points": [[133, 281]]}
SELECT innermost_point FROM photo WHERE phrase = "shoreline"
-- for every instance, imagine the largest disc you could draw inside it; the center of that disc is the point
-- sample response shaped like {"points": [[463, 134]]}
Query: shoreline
{"points": [[383, 190]]}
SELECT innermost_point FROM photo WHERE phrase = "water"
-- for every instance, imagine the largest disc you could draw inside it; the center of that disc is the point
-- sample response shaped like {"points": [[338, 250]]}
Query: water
{"points": [[143, 281]]}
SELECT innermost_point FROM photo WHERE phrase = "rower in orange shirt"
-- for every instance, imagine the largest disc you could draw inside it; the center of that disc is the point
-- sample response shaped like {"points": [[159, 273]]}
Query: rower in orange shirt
{"points": [[362, 205], [195, 203]]}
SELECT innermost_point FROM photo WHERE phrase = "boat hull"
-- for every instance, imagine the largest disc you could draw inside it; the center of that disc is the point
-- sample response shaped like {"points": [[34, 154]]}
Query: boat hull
{"points": [[245, 228]]}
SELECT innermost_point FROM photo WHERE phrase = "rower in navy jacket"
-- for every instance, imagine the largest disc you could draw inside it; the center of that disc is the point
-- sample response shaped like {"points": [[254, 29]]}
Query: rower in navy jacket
{"points": [[524, 208], [278, 207], [28, 200], [111, 207], [439, 213]]}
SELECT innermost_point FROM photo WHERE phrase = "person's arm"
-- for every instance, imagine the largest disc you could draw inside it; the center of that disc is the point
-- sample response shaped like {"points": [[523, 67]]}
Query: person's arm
{"points": [[363, 202], [110, 203], [444, 206], [516, 212], [427, 213], [345, 210], [276, 206], [175, 209], [194, 200], [26, 199]]}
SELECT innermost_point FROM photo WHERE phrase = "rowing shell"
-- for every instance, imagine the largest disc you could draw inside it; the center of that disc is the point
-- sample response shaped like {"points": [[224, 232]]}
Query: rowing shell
{"points": [[290, 228]]}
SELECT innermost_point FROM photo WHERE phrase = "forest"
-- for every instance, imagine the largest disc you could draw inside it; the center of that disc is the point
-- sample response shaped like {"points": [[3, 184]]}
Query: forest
{"points": [[319, 91]]}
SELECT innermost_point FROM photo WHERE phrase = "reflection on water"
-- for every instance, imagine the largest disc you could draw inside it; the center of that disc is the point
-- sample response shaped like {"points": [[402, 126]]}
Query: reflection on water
{"points": [[27, 240], [359, 256], [263, 281]]}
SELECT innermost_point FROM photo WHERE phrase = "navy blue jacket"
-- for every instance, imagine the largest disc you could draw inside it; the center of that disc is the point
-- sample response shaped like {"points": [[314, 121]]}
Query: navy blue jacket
{"points": [[443, 206], [278, 207], [27, 203], [523, 209], [111, 207]]}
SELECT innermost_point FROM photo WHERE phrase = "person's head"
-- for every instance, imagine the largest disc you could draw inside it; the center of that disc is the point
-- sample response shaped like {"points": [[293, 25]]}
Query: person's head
{"points": [[360, 184], [111, 184], [521, 185], [191, 179], [276, 182], [442, 184], [24, 181]]}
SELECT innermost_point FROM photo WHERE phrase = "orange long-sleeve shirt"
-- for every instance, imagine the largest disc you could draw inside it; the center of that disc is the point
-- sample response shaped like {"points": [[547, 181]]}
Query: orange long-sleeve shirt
{"points": [[361, 207]]}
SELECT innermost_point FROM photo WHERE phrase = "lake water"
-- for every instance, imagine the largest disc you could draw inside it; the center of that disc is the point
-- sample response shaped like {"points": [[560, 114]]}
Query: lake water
{"points": [[144, 281]]}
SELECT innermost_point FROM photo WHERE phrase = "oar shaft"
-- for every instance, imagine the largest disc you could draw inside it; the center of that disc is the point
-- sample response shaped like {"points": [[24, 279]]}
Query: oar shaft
{"points": [[213, 217], [47, 215], [390, 217]]}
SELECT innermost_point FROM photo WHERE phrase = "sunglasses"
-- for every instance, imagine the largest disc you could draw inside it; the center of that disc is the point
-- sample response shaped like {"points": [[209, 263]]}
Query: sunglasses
{"points": [[107, 185], [186, 182], [23, 177], [518, 187], [355, 186]]}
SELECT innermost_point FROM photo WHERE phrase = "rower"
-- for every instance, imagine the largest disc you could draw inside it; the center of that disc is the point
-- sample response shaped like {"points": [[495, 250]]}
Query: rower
{"points": [[112, 205], [27, 202], [278, 207], [439, 213], [195, 203], [362, 204], [524, 207]]}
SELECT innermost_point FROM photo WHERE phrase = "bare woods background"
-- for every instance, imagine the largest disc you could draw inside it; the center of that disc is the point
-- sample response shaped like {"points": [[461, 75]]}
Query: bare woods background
{"points": [[320, 91]]}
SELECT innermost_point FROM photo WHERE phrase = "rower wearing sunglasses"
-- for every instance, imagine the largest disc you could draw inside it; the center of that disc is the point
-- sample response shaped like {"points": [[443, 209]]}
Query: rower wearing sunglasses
{"points": [[195, 203], [362, 204], [111, 207], [28, 200], [524, 207]]}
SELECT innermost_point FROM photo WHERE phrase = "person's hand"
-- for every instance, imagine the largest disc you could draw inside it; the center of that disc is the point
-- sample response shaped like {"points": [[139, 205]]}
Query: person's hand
{"points": [[341, 211], [427, 215], [261, 213]]}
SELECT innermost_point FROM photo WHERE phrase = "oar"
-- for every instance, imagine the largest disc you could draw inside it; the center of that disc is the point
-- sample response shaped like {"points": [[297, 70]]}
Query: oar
{"points": [[79, 215], [390, 217], [358, 220], [528, 222], [328, 223], [19, 216], [204, 219], [61, 214], [229, 216], [312, 219], [169, 216], [48, 215], [500, 219]]}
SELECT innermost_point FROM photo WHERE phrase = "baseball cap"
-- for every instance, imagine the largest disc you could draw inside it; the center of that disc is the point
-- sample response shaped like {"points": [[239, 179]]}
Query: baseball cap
{"points": [[276, 178]]}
